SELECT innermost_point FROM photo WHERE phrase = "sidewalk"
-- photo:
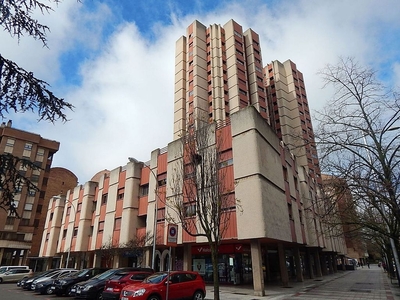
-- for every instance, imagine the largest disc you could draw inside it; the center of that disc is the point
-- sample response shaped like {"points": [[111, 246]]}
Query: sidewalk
{"points": [[342, 282]]}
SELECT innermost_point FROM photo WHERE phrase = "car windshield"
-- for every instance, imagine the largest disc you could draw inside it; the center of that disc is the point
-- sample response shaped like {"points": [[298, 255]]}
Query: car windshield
{"points": [[81, 273], [156, 278], [104, 275], [67, 275]]}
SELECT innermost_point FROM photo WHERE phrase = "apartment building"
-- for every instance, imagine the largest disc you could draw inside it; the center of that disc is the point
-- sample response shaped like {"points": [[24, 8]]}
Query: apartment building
{"points": [[274, 236], [290, 113], [19, 236]]}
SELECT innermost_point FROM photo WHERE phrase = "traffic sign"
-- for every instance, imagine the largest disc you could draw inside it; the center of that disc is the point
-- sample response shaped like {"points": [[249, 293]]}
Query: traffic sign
{"points": [[172, 237]]}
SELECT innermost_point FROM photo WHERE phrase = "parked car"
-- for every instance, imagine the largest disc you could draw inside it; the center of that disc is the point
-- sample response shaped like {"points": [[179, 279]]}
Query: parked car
{"points": [[182, 285], [27, 282], [114, 285], [93, 288], [15, 275], [4, 269], [43, 284], [63, 286]]}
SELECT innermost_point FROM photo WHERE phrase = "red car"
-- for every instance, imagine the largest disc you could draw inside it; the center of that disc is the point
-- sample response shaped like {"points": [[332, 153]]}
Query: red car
{"points": [[115, 284], [181, 285]]}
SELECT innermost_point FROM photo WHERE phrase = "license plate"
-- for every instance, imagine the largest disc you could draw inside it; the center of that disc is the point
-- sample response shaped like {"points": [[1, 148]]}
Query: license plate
{"points": [[78, 292], [73, 290], [124, 298], [53, 287], [109, 289]]}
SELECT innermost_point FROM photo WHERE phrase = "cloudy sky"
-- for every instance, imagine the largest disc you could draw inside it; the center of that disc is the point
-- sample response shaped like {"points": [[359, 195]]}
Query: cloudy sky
{"points": [[114, 61]]}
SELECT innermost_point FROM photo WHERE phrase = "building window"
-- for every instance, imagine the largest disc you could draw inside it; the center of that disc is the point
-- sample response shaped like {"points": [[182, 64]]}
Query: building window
{"points": [[10, 221], [35, 178], [290, 211], [24, 222], [104, 199], [68, 210], [91, 231], [64, 233], [238, 34], [28, 146], [117, 224], [75, 231], [47, 236], [242, 92], [161, 214], [79, 208], [226, 163], [10, 143], [28, 206], [285, 174], [144, 190], [51, 216], [190, 210], [101, 226]]}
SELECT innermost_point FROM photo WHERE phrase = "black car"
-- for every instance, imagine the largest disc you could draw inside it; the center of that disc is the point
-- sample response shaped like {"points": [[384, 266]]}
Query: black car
{"points": [[43, 285], [93, 288], [27, 282], [63, 286]]}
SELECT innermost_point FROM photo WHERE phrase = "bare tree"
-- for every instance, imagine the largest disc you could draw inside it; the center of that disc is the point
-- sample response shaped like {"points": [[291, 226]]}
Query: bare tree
{"points": [[135, 246], [108, 250], [202, 200], [358, 134], [20, 90]]}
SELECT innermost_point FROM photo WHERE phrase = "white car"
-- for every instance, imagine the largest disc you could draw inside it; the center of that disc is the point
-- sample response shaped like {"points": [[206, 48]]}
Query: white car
{"points": [[15, 275]]}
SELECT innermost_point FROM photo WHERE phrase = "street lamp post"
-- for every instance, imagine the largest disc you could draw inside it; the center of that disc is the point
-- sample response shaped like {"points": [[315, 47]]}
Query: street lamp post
{"points": [[72, 233]]}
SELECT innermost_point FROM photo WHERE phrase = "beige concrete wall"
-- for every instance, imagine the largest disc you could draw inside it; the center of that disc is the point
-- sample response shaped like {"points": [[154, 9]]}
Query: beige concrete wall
{"points": [[258, 170]]}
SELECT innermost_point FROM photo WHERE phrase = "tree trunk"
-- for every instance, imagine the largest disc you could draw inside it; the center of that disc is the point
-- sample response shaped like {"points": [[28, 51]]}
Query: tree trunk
{"points": [[214, 260]]}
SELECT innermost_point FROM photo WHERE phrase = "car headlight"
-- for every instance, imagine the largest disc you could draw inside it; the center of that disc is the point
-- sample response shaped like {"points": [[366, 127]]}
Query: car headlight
{"points": [[139, 293], [87, 287]]}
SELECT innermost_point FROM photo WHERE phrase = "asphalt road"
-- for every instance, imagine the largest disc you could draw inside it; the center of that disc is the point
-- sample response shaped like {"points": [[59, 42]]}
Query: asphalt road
{"points": [[10, 291]]}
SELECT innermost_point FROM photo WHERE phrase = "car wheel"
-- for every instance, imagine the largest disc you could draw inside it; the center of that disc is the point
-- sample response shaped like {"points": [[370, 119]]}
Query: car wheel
{"points": [[68, 291], [1, 280], [100, 295], [153, 297], [198, 296], [49, 290]]}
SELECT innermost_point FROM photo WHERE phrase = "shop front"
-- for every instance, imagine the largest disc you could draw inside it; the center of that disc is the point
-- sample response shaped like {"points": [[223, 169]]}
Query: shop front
{"points": [[234, 263]]}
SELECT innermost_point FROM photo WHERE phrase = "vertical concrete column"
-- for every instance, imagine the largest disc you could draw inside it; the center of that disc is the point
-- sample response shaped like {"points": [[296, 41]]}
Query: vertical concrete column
{"points": [[116, 261], [146, 258], [318, 263], [335, 263], [310, 264], [324, 266], [96, 260], [267, 267], [62, 263], [282, 265], [256, 261], [187, 257], [343, 263], [1, 254], [297, 260], [330, 263]]}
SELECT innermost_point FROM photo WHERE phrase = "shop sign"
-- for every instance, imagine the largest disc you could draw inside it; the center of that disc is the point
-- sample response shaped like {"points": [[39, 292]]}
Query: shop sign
{"points": [[222, 249]]}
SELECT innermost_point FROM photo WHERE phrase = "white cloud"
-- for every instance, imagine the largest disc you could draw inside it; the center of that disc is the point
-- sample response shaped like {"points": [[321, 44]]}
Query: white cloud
{"points": [[124, 106]]}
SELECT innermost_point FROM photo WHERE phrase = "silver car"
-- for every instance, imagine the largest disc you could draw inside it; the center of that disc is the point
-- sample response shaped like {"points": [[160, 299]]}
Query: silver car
{"points": [[15, 275]]}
